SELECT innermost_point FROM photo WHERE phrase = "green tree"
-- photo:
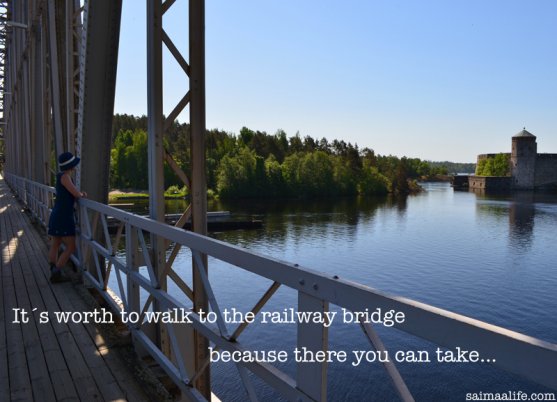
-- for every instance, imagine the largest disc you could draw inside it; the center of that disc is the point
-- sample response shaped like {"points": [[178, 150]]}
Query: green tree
{"points": [[400, 183], [274, 178], [316, 174], [281, 143], [296, 144], [343, 177], [372, 182], [136, 158], [246, 135], [129, 160], [291, 173], [498, 165], [240, 175]]}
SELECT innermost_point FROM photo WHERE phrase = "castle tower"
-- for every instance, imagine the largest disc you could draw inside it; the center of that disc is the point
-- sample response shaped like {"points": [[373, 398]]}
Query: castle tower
{"points": [[523, 160]]}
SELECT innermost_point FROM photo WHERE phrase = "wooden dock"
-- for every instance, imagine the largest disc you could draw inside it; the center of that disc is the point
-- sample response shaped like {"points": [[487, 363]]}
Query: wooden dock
{"points": [[49, 361]]}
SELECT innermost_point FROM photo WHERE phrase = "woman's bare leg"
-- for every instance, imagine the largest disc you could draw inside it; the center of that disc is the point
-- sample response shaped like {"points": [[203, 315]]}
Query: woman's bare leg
{"points": [[54, 247], [69, 242]]}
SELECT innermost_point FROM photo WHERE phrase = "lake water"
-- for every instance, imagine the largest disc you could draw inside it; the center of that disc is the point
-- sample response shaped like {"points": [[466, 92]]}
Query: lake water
{"points": [[488, 257]]}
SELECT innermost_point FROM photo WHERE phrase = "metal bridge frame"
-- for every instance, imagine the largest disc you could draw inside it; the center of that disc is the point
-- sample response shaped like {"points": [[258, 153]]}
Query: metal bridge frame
{"points": [[58, 70], [58, 62]]}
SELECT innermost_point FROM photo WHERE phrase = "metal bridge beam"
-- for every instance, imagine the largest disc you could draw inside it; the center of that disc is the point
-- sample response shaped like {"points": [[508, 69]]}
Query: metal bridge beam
{"points": [[155, 124], [72, 40], [98, 63], [59, 145], [99, 57], [37, 91], [198, 179]]}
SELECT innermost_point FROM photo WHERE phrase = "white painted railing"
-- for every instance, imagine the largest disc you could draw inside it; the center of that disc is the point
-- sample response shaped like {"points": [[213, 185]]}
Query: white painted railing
{"points": [[514, 352]]}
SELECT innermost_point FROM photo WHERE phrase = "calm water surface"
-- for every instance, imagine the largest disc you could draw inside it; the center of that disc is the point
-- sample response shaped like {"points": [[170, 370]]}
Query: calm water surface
{"points": [[490, 258]]}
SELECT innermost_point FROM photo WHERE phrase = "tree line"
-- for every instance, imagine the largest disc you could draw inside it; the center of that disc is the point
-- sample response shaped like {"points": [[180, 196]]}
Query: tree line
{"points": [[257, 164]]}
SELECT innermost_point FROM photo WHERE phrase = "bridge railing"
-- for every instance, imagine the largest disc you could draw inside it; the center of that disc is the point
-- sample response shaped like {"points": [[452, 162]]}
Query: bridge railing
{"points": [[514, 352]]}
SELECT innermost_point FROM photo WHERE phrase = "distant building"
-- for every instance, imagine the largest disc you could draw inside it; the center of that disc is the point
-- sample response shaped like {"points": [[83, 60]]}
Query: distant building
{"points": [[529, 169]]}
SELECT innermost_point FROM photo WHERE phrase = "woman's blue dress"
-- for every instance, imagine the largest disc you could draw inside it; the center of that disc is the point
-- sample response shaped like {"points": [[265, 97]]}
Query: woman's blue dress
{"points": [[61, 222]]}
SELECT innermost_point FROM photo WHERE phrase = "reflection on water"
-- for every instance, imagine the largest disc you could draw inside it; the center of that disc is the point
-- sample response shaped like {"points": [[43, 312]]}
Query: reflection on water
{"points": [[298, 221], [488, 257], [520, 210], [521, 221]]}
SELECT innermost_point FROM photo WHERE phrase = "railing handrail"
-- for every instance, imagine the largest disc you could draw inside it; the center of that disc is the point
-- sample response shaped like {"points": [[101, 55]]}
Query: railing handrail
{"points": [[512, 351]]}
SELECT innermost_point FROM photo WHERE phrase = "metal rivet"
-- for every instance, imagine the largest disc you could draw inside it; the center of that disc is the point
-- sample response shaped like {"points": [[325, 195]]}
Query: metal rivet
{"points": [[302, 282], [315, 286]]}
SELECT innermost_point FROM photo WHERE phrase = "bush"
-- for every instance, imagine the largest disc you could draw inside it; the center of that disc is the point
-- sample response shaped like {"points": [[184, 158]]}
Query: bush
{"points": [[373, 182], [499, 165], [176, 192]]}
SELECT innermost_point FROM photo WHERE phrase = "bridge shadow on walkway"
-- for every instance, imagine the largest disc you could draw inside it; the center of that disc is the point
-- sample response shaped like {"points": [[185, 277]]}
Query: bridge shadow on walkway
{"points": [[49, 361]]}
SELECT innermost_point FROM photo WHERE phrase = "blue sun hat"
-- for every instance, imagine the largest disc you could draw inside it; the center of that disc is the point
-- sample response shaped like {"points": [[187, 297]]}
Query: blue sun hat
{"points": [[67, 161]]}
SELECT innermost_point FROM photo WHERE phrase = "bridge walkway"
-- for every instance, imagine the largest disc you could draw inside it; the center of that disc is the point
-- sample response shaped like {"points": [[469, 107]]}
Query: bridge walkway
{"points": [[49, 361]]}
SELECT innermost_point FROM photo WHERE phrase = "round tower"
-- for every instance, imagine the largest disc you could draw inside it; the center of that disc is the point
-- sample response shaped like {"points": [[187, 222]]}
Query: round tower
{"points": [[523, 160]]}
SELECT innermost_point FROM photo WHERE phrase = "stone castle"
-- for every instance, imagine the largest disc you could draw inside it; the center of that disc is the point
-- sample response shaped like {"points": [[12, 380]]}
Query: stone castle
{"points": [[529, 169]]}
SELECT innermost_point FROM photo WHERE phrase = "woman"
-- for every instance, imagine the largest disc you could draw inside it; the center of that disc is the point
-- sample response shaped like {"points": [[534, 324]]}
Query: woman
{"points": [[61, 225]]}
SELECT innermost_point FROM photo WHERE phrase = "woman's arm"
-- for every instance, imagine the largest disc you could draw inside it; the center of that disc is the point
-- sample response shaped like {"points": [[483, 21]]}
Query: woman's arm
{"points": [[67, 182]]}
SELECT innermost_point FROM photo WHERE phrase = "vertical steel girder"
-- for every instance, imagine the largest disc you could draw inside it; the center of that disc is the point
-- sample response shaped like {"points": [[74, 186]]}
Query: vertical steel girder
{"points": [[37, 91], [3, 36], [5, 85], [73, 26], [157, 125], [59, 145], [155, 118], [99, 56], [198, 180], [98, 63], [16, 82]]}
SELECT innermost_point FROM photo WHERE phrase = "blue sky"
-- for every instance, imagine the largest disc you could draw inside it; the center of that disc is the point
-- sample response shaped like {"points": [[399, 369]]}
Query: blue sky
{"points": [[438, 80]]}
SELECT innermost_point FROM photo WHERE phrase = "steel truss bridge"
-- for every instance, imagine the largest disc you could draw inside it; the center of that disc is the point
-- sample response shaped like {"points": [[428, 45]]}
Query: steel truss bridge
{"points": [[58, 62]]}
